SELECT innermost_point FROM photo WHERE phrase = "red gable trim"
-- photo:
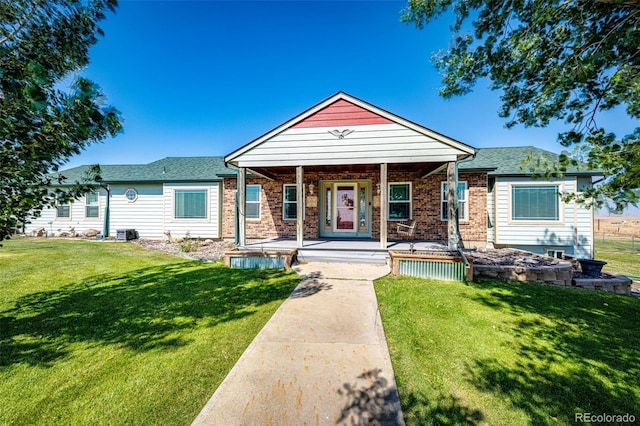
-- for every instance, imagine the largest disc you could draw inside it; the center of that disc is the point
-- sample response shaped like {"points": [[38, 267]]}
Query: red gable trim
{"points": [[342, 113]]}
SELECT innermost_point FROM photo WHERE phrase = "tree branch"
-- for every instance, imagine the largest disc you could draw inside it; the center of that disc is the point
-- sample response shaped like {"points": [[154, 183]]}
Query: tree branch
{"points": [[20, 25]]}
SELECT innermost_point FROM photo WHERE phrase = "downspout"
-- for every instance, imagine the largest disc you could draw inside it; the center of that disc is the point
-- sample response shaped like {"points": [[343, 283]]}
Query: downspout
{"points": [[467, 265], [105, 227], [460, 241]]}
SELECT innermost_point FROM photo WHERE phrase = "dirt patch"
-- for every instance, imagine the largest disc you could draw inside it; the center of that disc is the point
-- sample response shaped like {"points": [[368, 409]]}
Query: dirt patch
{"points": [[618, 224], [205, 249]]}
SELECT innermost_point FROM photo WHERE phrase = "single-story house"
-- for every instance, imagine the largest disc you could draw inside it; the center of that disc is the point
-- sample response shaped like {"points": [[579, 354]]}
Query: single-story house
{"points": [[175, 194], [343, 169]]}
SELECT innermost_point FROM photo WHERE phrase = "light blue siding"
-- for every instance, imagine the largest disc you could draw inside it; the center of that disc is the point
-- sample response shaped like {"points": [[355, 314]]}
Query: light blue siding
{"points": [[573, 232]]}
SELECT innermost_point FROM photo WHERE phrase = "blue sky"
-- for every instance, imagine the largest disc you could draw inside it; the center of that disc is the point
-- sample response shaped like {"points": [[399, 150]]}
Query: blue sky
{"points": [[199, 78]]}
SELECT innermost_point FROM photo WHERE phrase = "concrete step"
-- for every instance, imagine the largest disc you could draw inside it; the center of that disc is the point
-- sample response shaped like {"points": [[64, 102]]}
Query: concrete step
{"points": [[346, 256]]}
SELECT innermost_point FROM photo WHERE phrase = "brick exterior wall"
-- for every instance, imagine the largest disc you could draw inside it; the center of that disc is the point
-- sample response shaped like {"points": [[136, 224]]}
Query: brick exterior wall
{"points": [[426, 206]]}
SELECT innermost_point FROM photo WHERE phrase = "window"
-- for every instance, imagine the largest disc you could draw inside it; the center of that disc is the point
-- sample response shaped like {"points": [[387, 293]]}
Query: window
{"points": [[63, 211], [363, 207], [253, 202], [327, 197], [557, 253], [290, 202], [463, 205], [190, 203], [91, 205], [400, 201], [131, 195], [535, 202]]}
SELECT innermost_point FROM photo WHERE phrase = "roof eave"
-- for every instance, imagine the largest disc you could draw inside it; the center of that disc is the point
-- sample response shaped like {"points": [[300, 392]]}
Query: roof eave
{"points": [[538, 174]]}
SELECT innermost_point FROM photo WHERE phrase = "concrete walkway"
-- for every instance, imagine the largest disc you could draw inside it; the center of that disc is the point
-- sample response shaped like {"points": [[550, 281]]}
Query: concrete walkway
{"points": [[322, 359]]}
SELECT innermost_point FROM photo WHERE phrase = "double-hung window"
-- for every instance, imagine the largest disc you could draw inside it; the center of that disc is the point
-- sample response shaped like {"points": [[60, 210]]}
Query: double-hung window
{"points": [[535, 203], [400, 201], [91, 205], [290, 202], [463, 205], [63, 211], [253, 202], [190, 203]]}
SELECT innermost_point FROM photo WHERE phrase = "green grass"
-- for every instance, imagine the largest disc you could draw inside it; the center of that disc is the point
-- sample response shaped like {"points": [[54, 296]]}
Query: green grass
{"points": [[616, 244], [619, 259], [108, 333], [499, 353]]}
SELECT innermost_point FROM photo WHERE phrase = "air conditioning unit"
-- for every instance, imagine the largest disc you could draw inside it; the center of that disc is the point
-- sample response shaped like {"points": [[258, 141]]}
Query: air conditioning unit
{"points": [[125, 234]]}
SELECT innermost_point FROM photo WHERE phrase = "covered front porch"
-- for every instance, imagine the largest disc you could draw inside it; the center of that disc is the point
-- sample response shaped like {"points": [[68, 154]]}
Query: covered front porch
{"points": [[347, 169]]}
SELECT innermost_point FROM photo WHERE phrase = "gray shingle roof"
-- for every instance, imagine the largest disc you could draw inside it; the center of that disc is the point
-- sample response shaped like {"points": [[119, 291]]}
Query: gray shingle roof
{"points": [[509, 161], [494, 161], [169, 169]]}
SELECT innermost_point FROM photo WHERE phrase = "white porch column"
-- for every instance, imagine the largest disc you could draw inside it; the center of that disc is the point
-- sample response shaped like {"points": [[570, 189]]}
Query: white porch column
{"points": [[452, 206], [242, 206], [384, 205], [300, 205]]}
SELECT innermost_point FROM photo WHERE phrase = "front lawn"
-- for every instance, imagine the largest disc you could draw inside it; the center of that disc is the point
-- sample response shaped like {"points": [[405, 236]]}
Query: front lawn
{"points": [[500, 353], [108, 333], [619, 261]]}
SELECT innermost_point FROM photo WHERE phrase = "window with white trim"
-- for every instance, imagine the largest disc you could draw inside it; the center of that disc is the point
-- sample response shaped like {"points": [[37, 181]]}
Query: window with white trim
{"points": [[463, 205], [535, 203], [289, 202], [190, 203], [400, 201], [63, 211], [131, 195], [557, 253], [91, 205], [253, 198]]}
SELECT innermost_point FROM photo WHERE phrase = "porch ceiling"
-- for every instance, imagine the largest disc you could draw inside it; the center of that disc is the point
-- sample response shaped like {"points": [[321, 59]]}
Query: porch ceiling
{"points": [[421, 168]]}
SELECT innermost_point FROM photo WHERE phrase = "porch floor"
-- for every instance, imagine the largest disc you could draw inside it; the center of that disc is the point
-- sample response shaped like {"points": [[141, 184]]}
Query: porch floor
{"points": [[342, 244], [342, 250]]}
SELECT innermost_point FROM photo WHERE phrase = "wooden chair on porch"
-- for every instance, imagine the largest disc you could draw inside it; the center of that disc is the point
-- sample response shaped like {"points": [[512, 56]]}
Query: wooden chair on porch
{"points": [[407, 231]]}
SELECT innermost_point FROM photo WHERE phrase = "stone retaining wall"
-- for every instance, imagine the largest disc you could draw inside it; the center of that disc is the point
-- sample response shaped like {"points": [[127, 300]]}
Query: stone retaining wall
{"points": [[619, 284], [561, 275]]}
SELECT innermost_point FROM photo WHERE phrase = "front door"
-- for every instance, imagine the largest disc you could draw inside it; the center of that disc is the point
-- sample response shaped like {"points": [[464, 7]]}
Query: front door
{"points": [[345, 209]]}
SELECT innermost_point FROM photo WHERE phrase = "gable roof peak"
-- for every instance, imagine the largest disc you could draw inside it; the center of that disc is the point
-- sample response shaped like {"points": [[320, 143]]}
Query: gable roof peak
{"points": [[382, 116]]}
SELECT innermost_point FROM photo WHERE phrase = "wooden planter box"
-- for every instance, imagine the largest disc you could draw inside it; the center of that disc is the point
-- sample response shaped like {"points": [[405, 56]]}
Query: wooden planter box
{"points": [[441, 265], [259, 259]]}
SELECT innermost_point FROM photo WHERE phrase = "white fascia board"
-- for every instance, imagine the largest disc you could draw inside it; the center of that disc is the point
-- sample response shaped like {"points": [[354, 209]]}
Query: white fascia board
{"points": [[332, 162], [413, 126]]}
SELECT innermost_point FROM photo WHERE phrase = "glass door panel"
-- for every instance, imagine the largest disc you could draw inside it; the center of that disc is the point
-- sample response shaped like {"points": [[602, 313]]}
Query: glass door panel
{"points": [[363, 207], [328, 208], [345, 208]]}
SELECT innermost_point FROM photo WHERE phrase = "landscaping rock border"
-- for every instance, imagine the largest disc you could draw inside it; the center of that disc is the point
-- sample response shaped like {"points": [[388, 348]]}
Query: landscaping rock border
{"points": [[523, 266], [560, 274]]}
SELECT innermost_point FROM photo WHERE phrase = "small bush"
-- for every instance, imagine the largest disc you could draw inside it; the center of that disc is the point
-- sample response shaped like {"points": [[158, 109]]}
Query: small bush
{"points": [[189, 244]]}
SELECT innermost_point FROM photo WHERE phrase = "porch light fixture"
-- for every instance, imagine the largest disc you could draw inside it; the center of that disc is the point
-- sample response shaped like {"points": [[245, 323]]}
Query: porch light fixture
{"points": [[378, 188], [311, 187]]}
